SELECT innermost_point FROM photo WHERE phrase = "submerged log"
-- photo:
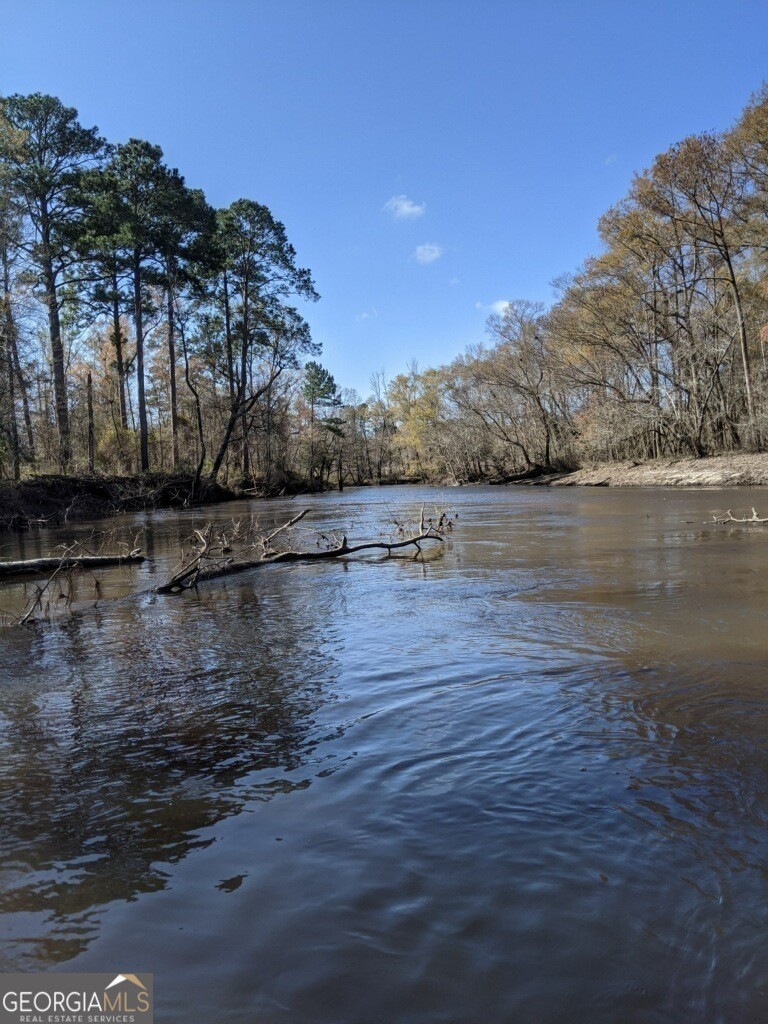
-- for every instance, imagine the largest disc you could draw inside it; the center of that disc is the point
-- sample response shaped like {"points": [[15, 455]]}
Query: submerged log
{"points": [[42, 566]]}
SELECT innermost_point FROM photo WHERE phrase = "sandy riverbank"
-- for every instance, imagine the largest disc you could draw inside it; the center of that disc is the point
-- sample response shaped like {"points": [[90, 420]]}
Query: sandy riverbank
{"points": [[735, 470]]}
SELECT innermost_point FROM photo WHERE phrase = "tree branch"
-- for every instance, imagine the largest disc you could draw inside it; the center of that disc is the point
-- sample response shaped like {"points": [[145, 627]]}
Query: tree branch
{"points": [[194, 571]]}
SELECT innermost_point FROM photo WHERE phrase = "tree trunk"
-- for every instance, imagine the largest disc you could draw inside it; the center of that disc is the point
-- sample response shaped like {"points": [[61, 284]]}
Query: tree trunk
{"points": [[24, 399], [235, 395], [311, 467], [91, 432], [268, 438], [8, 333], [57, 347], [241, 408], [117, 339], [220, 454], [245, 466], [742, 343], [172, 372], [12, 426], [228, 336], [198, 414], [139, 322]]}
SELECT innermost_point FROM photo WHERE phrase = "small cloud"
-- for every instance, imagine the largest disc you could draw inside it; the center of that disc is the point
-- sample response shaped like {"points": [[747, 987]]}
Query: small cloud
{"points": [[610, 159], [454, 280], [367, 314], [427, 253], [403, 208], [498, 307]]}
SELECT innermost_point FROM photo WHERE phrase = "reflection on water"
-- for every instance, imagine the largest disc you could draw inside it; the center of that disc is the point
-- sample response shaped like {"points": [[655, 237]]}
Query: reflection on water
{"points": [[122, 739], [526, 781]]}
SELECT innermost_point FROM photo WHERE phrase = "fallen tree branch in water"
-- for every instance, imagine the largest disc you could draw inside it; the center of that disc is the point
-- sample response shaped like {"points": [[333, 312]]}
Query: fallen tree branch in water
{"points": [[41, 566], [729, 517], [210, 559], [37, 601], [80, 558]]}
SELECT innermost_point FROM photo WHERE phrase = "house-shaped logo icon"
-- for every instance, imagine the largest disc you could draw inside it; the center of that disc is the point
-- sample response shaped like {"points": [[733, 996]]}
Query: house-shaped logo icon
{"points": [[126, 977]]}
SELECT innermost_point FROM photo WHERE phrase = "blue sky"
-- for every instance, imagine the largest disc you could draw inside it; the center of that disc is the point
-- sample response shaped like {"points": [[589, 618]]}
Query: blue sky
{"points": [[501, 129]]}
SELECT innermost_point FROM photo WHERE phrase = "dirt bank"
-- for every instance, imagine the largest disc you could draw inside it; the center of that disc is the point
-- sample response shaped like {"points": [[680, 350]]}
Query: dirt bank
{"points": [[52, 500], [737, 470]]}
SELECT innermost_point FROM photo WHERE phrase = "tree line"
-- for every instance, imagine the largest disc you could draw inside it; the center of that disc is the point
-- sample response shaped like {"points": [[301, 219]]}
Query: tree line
{"points": [[655, 347], [142, 329]]}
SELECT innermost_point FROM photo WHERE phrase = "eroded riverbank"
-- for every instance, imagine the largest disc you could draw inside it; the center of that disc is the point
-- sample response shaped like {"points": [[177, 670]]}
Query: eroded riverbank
{"points": [[46, 501]]}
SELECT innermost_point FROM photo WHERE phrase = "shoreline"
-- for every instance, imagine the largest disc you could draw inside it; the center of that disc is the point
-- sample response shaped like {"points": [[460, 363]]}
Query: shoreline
{"points": [[57, 499], [722, 471], [54, 500]]}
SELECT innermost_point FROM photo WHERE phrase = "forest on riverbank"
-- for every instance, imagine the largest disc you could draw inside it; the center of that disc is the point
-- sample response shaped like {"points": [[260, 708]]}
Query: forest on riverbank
{"points": [[143, 331]]}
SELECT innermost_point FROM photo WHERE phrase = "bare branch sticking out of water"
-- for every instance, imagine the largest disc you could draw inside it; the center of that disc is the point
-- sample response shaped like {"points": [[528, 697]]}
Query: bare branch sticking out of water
{"points": [[213, 558], [729, 517], [76, 558]]}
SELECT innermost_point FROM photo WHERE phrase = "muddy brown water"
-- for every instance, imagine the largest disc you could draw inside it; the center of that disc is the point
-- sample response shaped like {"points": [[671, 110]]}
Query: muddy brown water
{"points": [[522, 782]]}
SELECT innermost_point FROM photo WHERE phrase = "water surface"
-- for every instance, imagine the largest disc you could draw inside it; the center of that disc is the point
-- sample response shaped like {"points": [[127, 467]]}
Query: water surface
{"points": [[521, 782]]}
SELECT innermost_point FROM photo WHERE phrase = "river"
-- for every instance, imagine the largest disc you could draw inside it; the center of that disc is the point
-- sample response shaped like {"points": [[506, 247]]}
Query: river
{"points": [[522, 781]]}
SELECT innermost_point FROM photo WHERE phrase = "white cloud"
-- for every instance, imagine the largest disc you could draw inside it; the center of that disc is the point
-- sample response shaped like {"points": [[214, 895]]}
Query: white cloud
{"points": [[498, 307], [367, 314], [610, 160], [403, 208], [454, 280], [427, 253]]}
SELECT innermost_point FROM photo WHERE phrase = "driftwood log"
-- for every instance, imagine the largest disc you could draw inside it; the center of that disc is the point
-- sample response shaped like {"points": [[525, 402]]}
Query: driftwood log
{"points": [[210, 560], [42, 566], [729, 517]]}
